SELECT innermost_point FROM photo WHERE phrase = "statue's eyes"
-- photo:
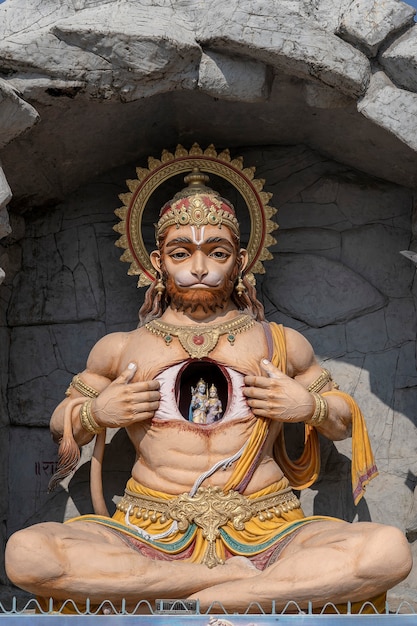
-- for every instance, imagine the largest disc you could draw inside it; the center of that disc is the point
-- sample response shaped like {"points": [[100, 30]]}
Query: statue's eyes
{"points": [[179, 255], [220, 254]]}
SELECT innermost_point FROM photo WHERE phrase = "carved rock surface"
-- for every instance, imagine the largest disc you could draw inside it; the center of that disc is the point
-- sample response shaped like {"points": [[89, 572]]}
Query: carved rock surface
{"points": [[5, 229], [326, 13], [368, 23], [33, 399], [16, 115], [233, 78], [325, 291], [71, 267], [400, 60], [373, 252], [288, 42], [391, 108], [180, 64], [39, 465]]}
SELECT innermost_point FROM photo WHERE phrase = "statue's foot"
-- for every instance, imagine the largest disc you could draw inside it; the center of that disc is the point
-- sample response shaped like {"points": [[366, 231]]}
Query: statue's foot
{"points": [[235, 569], [241, 567]]}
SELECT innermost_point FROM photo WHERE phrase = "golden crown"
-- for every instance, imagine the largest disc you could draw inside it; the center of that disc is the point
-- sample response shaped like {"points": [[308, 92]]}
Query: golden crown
{"points": [[197, 205]]}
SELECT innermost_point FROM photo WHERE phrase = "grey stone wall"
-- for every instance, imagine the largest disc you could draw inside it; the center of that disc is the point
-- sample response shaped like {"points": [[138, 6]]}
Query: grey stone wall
{"points": [[337, 277]]}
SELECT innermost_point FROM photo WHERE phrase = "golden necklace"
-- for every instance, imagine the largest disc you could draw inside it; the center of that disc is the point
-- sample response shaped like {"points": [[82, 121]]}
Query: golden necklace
{"points": [[200, 340]]}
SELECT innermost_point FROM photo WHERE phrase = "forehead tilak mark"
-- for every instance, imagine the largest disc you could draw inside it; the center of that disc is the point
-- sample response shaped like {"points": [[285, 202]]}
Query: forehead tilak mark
{"points": [[200, 231]]}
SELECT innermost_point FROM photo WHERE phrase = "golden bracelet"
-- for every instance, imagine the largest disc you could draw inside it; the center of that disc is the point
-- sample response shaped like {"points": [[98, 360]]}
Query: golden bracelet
{"points": [[321, 411], [87, 420]]}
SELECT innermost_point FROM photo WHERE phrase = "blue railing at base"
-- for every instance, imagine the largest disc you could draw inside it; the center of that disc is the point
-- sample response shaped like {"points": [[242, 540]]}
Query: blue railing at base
{"points": [[186, 611]]}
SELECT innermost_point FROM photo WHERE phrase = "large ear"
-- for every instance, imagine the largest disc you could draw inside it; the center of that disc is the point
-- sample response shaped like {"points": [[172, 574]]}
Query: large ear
{"points": [[243, 259], [155, 258]]}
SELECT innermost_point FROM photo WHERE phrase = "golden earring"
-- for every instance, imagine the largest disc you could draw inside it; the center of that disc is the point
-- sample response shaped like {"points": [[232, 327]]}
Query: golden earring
{"points": [[159, 287], [240, 287]]}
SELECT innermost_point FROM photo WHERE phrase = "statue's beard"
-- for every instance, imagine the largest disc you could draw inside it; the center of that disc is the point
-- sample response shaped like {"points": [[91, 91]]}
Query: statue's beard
{"points": [[208, 300]]}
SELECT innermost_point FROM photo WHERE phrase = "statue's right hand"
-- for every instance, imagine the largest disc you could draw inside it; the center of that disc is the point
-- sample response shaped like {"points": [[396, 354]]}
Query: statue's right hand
{"points": [[124, 402]]}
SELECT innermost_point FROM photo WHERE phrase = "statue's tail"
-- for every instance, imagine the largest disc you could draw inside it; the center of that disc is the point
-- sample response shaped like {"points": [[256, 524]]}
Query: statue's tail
{"points": [[68, 452], [96, 476], [69, 456]]}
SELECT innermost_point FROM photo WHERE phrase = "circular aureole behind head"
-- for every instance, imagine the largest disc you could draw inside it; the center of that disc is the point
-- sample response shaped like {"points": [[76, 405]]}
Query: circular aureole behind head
{"points": [[183, 161]]}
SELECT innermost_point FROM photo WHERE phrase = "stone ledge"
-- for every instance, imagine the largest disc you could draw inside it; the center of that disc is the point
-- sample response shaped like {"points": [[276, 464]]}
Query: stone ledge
{"points": [[400, 60], [232, 78], [368, 23], [16, 115], [289, 43], [393, 109]]}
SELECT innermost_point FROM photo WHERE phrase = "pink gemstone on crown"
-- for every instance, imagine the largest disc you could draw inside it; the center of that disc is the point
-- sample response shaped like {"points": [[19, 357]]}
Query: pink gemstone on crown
{"points": [[198, 340]]}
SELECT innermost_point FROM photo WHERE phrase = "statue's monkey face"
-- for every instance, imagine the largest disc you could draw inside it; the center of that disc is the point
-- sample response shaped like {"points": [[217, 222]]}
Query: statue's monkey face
{"points": [[199, 265]]}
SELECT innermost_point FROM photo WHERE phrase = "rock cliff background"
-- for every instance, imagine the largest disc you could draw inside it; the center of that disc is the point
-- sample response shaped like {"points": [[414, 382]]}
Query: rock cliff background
{"points": [[320, 96]]}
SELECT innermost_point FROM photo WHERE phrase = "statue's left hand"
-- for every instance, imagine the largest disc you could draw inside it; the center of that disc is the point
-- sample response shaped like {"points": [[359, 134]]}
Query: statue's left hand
{"points": [[277, 396]]}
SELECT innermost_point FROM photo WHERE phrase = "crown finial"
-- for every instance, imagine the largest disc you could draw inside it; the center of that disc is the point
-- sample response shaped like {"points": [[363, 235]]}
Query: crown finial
{"points": [[196, 183], [196, 179]]}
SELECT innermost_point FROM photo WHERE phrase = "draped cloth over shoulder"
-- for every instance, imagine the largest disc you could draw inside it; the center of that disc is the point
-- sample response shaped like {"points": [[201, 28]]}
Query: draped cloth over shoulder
{"points": [[304, 471], [363, 463]]}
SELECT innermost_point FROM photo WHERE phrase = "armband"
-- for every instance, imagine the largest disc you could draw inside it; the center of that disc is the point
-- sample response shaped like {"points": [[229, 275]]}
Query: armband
{"points": [[321, 411], [87, 420], [79, 385], [320, 382]]}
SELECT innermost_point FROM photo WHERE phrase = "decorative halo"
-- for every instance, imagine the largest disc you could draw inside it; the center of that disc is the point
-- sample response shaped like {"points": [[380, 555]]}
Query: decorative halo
{"points": [[169, 165]]}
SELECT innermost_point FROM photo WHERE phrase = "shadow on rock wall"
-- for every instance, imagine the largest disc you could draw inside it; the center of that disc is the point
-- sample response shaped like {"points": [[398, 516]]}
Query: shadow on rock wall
{"points": [[72, 498]]}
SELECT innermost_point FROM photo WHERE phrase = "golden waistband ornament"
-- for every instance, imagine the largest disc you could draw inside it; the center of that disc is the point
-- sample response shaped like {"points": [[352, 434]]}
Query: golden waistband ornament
{"points": [[209, 509]]}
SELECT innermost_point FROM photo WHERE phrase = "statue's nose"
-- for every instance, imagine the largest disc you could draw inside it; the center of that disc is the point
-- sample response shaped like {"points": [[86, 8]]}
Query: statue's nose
{"points": [[199, 268]]}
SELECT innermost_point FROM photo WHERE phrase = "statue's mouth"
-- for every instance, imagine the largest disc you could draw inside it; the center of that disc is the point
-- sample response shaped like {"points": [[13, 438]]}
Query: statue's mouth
{"points": [[201, 286]]}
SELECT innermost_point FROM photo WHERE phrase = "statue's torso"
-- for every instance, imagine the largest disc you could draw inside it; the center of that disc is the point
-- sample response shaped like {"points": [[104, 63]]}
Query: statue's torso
{"points": [[172, 451]]}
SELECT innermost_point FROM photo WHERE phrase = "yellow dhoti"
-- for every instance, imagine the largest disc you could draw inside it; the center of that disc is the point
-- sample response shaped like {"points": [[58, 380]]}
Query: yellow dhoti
{"points": [[210, 526], [150, 522]]}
